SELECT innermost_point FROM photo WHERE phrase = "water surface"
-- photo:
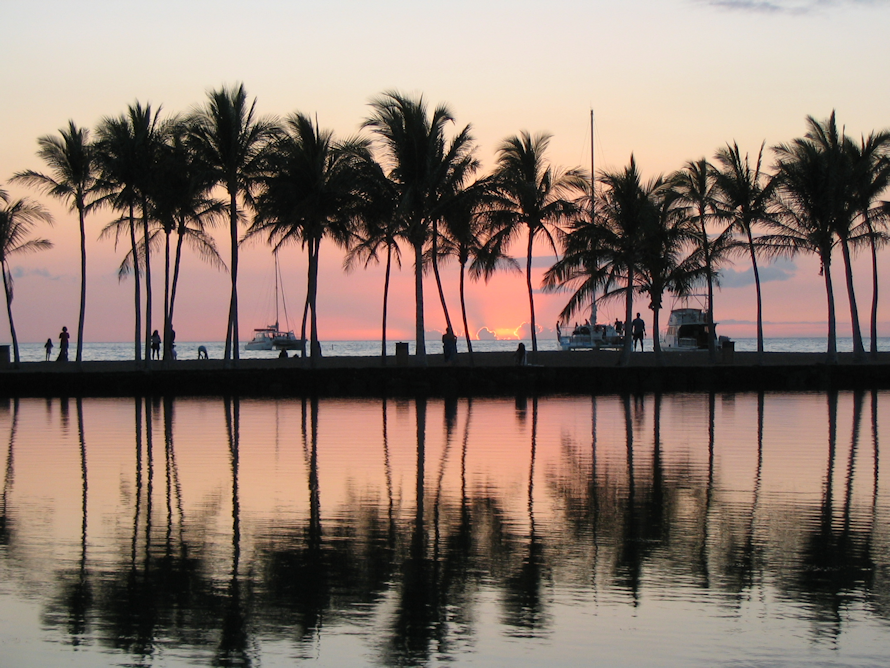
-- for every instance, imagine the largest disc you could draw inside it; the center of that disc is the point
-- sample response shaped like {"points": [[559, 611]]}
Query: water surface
{"points": [[675, 530]]}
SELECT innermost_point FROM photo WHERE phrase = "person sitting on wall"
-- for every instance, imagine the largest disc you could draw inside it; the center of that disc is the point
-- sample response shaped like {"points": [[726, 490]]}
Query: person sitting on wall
{"points": [[520, 356]]}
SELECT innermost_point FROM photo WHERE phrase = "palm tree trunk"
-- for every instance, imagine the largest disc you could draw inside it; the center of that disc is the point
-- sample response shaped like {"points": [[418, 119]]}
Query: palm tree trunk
{"points": [[435, 252], [176, 264], [419, 329], [873, 330], [832, 326], [136, 282], [759, 297], [83, 281], [8, 292], [858, 348], [305, 320], [624, 360], [145, 241], [385, 302], [166, 293], [656, 344], [528, 282], [712, 340], [231, 350], [463, 309], [315, 348]]}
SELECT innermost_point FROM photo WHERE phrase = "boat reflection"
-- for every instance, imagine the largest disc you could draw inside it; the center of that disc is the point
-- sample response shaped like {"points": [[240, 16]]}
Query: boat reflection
{"points": [[230, 545]]}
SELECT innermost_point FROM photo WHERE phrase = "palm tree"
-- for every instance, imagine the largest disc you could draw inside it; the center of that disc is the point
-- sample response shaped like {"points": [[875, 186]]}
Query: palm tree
{"points": [[696, 200], [377, 228], [229, 142], [746, 194], [308, 192], [840, 202], [871, 172], [127, 152], [466, 227], [72, 179], [664, 265], [803, 221], [16, 220], [182, 204], [533, 196], [603, 250], [426, 171]]}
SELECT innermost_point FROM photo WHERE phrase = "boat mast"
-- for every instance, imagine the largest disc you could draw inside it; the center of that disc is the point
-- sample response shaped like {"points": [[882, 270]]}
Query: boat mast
{"points": [[275, 253], [592, 210]]}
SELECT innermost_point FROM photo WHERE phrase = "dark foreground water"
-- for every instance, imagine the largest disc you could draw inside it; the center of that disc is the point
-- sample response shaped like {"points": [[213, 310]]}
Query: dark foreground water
{"points": [[676, 530]]}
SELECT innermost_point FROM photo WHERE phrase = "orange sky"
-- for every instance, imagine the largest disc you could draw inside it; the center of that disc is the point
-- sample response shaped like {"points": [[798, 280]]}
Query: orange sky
{"points": [[670, 81]]}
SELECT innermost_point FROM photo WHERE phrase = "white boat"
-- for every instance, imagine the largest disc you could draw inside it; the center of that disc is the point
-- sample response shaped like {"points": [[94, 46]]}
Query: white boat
{"points": [[589, 337], [272, 336], [687, 329]]}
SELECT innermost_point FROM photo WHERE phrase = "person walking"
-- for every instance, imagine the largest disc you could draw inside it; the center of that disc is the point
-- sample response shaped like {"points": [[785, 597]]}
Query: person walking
{"points": [[638, 329]]}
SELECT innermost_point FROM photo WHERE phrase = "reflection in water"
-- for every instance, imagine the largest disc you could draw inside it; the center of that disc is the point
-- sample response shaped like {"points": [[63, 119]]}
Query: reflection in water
{"points": [[537, 515]]}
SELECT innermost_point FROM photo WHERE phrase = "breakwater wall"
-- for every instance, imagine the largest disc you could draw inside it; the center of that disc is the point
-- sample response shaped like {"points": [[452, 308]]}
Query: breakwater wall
{"points": [[568, 373]]}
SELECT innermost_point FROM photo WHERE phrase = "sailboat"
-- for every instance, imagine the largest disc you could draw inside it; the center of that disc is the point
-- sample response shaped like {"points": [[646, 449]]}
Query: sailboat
{"points": [[591, 334], [272, 336]]}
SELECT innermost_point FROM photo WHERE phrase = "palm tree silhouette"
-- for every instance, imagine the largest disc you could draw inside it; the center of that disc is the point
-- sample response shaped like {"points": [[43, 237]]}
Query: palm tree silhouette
{"points": [[426, 172], [308, 191], [17, 218], [695, 191], [229, 144], [531, 195], [72, 179], [805, 207], [181, 203], [746, 194], [128, 148]]}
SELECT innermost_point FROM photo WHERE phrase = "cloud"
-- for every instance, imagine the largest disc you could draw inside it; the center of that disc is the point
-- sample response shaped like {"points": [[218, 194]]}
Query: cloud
{"points": [[792, 7], [486, 334], [21, 272], [780, 270]]}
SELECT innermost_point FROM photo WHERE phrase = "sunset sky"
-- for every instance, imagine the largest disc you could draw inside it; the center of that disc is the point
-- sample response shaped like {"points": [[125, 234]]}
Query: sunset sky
{"points": [[669, 81]]}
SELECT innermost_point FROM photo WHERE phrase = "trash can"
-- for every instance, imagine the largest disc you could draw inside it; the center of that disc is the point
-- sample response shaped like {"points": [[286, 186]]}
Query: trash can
{"points": [[728, 350], [402, 354], [4, 356]]}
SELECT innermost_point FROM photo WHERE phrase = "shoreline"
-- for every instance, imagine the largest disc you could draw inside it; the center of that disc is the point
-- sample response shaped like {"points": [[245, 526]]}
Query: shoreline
{"points": [[489, 374]]}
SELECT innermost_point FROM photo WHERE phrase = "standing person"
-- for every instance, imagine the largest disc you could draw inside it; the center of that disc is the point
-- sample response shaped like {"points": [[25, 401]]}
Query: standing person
{"points": [[638, 328], [449, 345], [63, 345], [49, 348], [155, 345]]}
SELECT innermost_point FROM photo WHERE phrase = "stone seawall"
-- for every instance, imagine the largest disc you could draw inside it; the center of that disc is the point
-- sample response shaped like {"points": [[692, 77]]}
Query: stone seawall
{"points": [[491, 374]]}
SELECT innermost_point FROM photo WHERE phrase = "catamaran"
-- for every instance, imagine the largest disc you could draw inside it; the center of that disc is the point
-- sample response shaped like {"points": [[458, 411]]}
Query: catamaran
{"points": [[272, 336]]}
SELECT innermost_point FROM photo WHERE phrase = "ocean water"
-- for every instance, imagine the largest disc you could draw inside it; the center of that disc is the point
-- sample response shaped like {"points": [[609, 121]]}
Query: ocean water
{"points": [[122, 351]]}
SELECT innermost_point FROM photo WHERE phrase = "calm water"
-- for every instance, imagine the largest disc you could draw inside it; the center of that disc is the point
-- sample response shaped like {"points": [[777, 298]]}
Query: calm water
{"points": [[677, 530], [35, 352]]}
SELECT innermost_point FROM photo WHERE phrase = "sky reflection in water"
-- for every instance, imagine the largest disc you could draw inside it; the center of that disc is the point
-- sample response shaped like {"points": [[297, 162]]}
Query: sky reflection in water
{"points": [[670, 530]]}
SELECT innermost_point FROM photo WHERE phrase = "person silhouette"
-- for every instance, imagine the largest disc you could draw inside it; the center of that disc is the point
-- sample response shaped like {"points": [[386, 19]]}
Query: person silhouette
{"points": [[638, 329], [520, 356], [63, 345], [155, 345], [49, 348]]}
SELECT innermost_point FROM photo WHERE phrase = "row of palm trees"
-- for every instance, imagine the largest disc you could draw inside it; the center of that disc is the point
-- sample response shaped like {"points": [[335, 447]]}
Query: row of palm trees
{"points": [[411, 185], [670, 234]]}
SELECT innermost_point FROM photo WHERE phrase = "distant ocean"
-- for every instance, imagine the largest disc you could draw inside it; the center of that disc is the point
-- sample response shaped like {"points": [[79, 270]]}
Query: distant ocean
{"points": [[121, 351]]}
